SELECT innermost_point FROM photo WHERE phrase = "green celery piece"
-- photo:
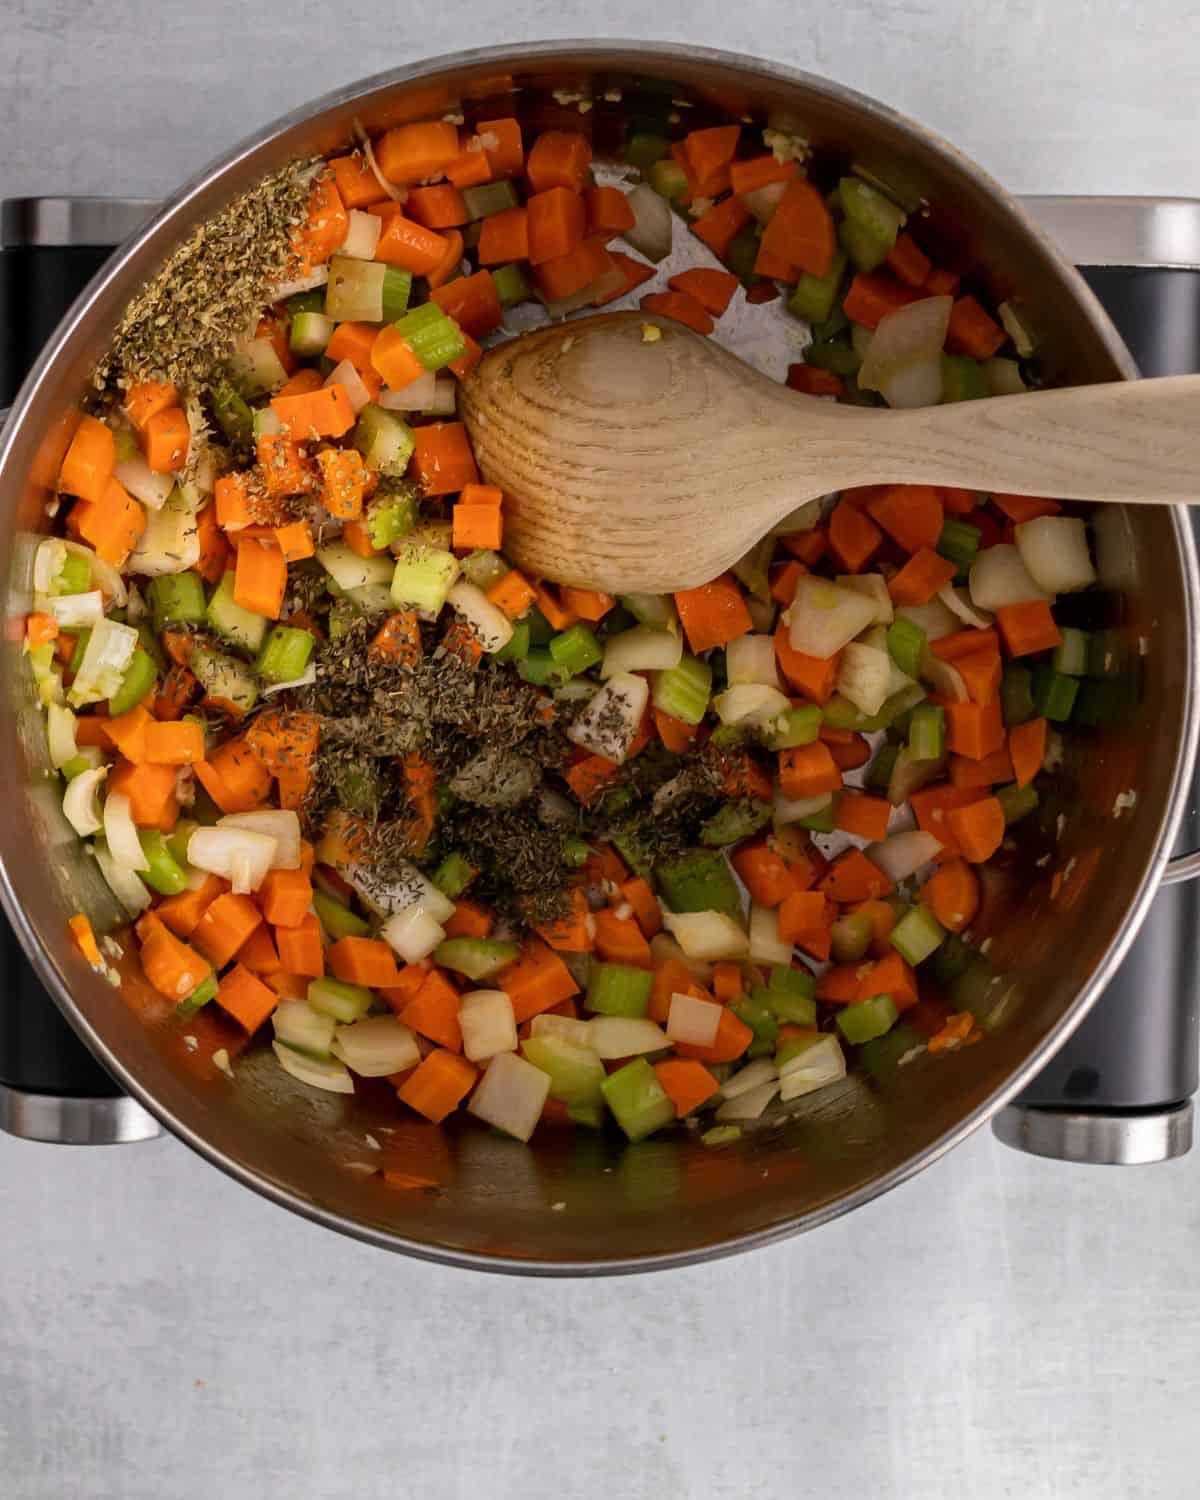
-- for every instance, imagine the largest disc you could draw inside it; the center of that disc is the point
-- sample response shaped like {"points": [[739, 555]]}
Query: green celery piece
{"points": [[433, 336], [489, 198], [962, 379], [176, 599], [786, 980], [575, 851], [917, 934], [391, 516], [1016, 693], [384, 439], [905, 642], [81, 645], [742, 253], [762, 1021], [397, 288], [822, 821], [1054, 693], [813, 297], [591, 1115], [576, 1073], [851, 937], [683, 691], [785, 1005], [75, 575], [477, 958], [177, 839], [619, 990], [541, 632], [517, 648], [165, 874], [669, 180], [865, 251], [150, 644], [454, 875], [303, 302], [233, 414], [721, 1135], [733, 822], [793, 727], [1071, 656], [836, 355], [225, 677], [139, 679], [879, 772], [309, 333], [511, 285], [88, 759], [344, 1002], [927, 731], [871, 212], [634, 850], [576, 650], [751, 571], [698, 880], [644, 148], [828, 328], [867, 1019], [240, 627], [205, 991], [638, 1101], [484, 568], [959, 542], [342, 615], [540, 669], [1016, 802], [285, 653], [338, 920]]}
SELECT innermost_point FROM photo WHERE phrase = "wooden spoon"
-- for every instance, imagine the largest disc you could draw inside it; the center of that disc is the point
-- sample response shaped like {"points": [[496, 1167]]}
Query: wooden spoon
{"points": [[638, 456]]}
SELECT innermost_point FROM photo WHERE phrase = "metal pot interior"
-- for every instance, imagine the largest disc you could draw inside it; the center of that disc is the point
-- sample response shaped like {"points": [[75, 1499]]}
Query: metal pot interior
{"points": [[1057, 917]]}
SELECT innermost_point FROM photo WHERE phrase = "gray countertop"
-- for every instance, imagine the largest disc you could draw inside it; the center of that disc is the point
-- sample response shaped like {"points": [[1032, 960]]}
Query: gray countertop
{"points": [[1000, 1327]]}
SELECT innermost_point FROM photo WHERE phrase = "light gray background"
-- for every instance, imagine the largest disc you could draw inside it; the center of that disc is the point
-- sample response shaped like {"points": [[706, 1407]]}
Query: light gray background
{"points": [[1001, 1327]]}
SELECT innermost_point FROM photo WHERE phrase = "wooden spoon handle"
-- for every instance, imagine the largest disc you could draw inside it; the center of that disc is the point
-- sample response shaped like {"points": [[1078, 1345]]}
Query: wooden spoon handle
{"points": [[1135, 441]]}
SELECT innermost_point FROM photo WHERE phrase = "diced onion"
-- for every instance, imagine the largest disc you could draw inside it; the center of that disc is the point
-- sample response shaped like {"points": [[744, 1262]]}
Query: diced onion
{"points": [[81, 802], [943, 677], [610, 722], [349, 571], [872, 586], [642, 648], [999, 577], [376, 1046], [766, 946], [651, 232], [693, 1020], [345, 375], [308, 677], [909, 775], [804, 518], [792, 809], [318, 1072], [406, 888], [120, 833], [277, 823], [903, 854], [143, 483], [488, 1024], [762, 202], [817, 1066], [445, 397], [567, 1028], [125, 884], [933, 618], [750, 703], [752, 1076], [864, 676], [317, 277], [824, 617], [1004, 377], [624, 1036], [239, 855], [74, 611], [418, 395], [904, 360], [710, 935], [362, 235], [170, 542], [104, 663], [492, 627], [511, 1095], [751, 1104], [413, 933], [1055, 551], [60, 735], [958, 601], [751, 658], [48, 563]]}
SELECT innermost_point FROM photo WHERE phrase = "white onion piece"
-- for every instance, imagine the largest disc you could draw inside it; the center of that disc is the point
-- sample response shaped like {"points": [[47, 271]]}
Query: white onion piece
{"points": [[239, 855], [1055, 551], [445, 397], [376, 1046], [710, 935], [413, 933], [762, 202], [642, 648], [277, 823], [488, 1024], [943, 677], [624, 1036], [345, 375], [824, 617], [817, 1066], [958, 601], [864, 676], [307, 678], [105, 576], [803, 518], [751, 658], [792, 809], [318, 1072], [566, 1028], [766, 946], [693, 1020], [933, 618], [902, 854], [74, 611], [871, 586], [908, 340], [999, 577], [1003, 377], [60, 735], [170, 542], [492, 627], [143, 483], [418, 395], [362, 235], [317, 277], [910, 774], [125, 884], [48, 563], [750, 1105], [136, 610], [761, 1070], [651, 232], [81, 802], [120, 833], [511, 1095], [610, 722], [267, 423], [751, 703], [407, 888]]}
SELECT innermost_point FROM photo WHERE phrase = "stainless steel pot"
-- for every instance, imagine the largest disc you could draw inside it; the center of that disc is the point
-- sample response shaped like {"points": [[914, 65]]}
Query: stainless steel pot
{"points": [[1060, 916]]}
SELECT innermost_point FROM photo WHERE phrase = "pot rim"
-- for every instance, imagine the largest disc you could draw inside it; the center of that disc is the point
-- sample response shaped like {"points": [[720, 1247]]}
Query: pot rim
{"points": [[164, 229]]}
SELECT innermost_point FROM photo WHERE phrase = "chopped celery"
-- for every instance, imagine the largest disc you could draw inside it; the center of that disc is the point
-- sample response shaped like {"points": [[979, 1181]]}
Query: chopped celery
{"points": [[517, 648], [1053, 693], [576, 1073], [576, 851], [792, 728], [850, 937], [477, 958], [762, 1021], [1071, 656], [917, 934], [813, 297], [484, 568], [619, 990], [539, 668], [164, 873], [338, 920], [87, 758], [669, 180], [962, 378], [721, 1135], [879, 772], [644, 148], [344, 1002], [205, 991], [101, 671], [397, 288], [751, 570], [176, 599], [1016, 802], [422, 578], [240, 627], [454, 875], [836, 355], [867, 1019], [354, 291], [489, 198], [390, 517], [384, 440], [81, 645], [905, 642], [698, 880], [822, 821], [177, 839], [788, 1004], [511, 285], [873, 221], [149, 642], [576, 649], [1016, 693], [783, 978], [435, 338], [75, 575], [285, 653], [638, 1101], [958, 543], [255, 369], [683, 691], [656, 610], [309, 333], [540, 629], [733, 822], [139, 679], [225, 677], [927, 731], [302, 302]]}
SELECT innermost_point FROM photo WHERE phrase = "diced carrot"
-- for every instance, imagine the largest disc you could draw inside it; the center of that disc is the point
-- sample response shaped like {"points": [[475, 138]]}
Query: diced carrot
{"points": [[90, 460], [801, 914], [438, 207], [811, 380], [285, 468], [512, 594], [808, 771], [80, 929], [571, 932], [932, 805], [1027, 747], [686, 1083], [801, 230], [709, 154], [442, 461], [325, 413], [671, 977], [127, 733], [324, 229], [260, 579], [882, 917], [285, 897], [461, 367], [784, 581], [177, 744], [182, 912], [233, 508], [941, 283], [357, 185], [732, 1039], [644, 902], [1028, 627], [113, 524], [921, 577], [295, 541], [812, 676], [680, 306], [980, 671], [849, 749], [556, 223], [564, 275], [535, 981], [727, 983], [357, 536], [551, 605], [759, 172], [469, 919], [1022, 508], [864, 816], [907, 261], [300, 948], [952, 894], [588, 777], [606, 212], [911, 514], [246, 998], [965, 643], [165, 440], [365, 961], [171, 966], [620, 940], [978, 828], [448, 266], [412, 977], [471, 166], [853, 877], [990, 771], [410, 154], [41, 629], [260, 955], [473, 303], [808, 546], [146, 398], [874, 294], [775, 267], [854, 538], [394, 359], [713, 614], [767, 291], [890, 976], [839, 985], [151, 793], [634, 272], [235, 776], [767, 875], [718, 225], [501, 141], [974, 729], [438, 1085], [587, 604], [226, 924], [973, 331], [558, 159], [352, 341], [674, 733], [504, 237], [433, 1010], [343, 482], [957, 502]]}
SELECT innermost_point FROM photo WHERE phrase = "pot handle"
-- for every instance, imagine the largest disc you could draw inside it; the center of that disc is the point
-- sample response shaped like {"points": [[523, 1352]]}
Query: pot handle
{"points": [[1182, 868]]}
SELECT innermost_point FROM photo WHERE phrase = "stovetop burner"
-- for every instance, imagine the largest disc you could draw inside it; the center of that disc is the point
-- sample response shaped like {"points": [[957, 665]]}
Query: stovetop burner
{"points": [[1120, 1090]]}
